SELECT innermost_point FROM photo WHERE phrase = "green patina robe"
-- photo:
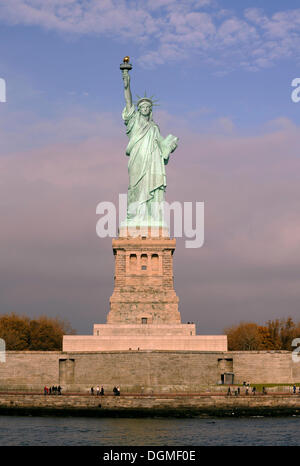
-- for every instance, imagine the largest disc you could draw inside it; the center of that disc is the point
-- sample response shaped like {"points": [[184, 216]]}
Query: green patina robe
{"points": [[149, 153]]}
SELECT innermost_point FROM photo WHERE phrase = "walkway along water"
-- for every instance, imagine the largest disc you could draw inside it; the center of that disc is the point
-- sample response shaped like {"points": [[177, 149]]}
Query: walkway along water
{"points": [[138, 405]]}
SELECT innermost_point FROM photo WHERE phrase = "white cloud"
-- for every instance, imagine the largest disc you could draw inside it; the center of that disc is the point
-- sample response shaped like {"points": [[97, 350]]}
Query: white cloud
{"points": [[169, 29]]}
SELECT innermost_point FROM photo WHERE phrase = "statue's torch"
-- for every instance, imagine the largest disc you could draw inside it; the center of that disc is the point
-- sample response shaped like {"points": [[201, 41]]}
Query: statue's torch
{"points": [[126, 65]]}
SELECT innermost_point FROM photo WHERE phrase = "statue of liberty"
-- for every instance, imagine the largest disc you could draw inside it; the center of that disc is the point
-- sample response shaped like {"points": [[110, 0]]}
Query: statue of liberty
{"points": [[148, 154]]}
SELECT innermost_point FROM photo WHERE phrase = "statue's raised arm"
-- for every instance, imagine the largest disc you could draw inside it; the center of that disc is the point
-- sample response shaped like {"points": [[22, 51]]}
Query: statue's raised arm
{"points": [[125, 67]]}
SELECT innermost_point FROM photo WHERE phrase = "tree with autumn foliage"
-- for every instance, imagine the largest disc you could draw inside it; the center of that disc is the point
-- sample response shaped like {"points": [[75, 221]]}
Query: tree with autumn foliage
{"points": [[274, 335], [21, 333], [283, 332], [245, 337]]}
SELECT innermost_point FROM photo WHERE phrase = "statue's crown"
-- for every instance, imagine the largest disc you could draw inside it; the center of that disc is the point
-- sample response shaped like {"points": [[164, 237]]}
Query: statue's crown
{"points": [[148, 100], [142, 100]]}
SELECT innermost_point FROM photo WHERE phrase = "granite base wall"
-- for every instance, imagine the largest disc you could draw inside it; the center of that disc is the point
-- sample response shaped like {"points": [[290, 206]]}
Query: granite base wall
{"points": [[136, 371]]}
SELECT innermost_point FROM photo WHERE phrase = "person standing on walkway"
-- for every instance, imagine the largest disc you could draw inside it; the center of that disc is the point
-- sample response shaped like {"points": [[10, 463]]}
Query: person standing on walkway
{"points": [[98, 390]]}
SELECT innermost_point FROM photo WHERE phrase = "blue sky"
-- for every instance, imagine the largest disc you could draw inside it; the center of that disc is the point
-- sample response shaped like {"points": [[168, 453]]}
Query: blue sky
{"points": [[52, 67], [222, 71]]}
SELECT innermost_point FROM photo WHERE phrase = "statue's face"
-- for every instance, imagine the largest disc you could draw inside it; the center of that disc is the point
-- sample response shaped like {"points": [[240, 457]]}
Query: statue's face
{"points": [[145, 109]]}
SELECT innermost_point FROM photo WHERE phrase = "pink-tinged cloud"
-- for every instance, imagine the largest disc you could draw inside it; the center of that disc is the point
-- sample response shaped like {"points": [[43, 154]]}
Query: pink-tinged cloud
{"points": [[248, 269]]}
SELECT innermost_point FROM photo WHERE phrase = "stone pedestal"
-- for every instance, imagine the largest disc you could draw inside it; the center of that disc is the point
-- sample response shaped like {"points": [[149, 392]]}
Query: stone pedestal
{"points": [[144, 311], [144, 284]]}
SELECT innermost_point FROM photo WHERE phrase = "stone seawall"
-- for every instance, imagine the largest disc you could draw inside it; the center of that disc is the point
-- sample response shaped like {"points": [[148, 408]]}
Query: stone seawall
{"points": [[145, 405]]}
